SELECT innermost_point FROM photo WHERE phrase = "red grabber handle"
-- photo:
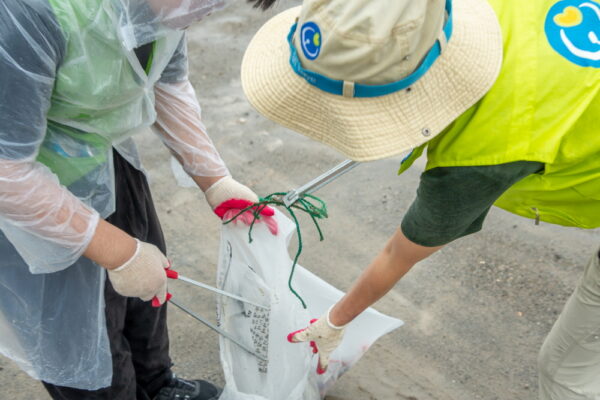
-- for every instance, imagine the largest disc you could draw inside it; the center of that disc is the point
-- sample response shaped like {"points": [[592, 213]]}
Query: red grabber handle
{"points": [[171, 274]]}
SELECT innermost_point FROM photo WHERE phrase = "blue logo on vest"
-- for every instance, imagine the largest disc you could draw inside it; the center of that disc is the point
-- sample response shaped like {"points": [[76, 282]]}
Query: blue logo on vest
{"points": [[310, 38], [573, 30]]}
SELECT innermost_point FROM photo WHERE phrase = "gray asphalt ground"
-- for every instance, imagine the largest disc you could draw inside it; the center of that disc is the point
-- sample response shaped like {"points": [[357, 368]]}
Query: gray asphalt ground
{"points": [[476, 313]]}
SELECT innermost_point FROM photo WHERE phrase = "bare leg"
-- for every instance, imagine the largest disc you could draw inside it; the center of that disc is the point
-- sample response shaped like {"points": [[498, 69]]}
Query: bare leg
{"points": [[390, 265]]}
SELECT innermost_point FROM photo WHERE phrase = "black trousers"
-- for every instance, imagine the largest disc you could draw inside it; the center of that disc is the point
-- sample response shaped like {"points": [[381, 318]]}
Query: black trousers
{"points": [[137, 332]]}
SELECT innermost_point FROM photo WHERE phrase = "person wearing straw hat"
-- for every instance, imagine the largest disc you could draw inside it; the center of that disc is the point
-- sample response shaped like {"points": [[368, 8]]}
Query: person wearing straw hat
{"points": [[503, 96]]}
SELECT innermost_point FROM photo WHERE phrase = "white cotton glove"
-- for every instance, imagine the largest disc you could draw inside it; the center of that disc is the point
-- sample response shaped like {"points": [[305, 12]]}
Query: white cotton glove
{"points": [[228, 188], [143, 275], [324, 338]]}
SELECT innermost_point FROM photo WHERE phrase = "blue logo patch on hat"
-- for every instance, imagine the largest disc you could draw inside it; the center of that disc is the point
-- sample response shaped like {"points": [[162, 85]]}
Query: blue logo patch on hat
{"points": [[310, 39], [573, 30]]}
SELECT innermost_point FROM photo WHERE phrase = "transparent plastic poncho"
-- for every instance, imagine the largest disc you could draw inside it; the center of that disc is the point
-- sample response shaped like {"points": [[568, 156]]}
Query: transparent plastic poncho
{"points": [[143, 21], [68, 98]]}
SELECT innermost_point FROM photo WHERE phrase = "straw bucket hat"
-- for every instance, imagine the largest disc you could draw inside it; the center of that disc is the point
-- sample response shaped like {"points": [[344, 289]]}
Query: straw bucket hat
{"points": [[373, 78]]}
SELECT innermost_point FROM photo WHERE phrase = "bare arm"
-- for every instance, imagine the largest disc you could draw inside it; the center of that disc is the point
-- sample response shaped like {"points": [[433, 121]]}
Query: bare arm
{"points": [[390, 265], [110, 247]]}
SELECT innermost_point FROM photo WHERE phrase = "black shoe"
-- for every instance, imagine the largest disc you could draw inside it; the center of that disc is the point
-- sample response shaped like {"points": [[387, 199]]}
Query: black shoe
{"points": [[182, 389]]}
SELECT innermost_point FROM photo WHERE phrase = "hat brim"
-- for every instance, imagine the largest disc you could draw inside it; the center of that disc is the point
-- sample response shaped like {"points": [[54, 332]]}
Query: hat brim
{"points": [[366, 129]]}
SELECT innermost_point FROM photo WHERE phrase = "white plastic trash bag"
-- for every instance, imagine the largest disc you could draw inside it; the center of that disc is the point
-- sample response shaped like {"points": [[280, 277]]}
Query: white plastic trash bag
{"points": [[259, 271]]}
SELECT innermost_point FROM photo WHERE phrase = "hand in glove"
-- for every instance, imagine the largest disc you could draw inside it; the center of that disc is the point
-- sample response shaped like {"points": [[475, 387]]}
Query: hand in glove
{"points": [[227, 197], [324, 338], [143, 275]]}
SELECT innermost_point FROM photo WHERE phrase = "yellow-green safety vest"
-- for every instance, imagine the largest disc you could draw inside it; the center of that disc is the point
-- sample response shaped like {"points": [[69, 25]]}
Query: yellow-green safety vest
{"points": [[544, 106]]}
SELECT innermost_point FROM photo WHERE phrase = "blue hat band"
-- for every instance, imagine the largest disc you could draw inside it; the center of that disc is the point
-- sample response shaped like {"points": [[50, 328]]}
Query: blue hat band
{"points": [[336, 87]]}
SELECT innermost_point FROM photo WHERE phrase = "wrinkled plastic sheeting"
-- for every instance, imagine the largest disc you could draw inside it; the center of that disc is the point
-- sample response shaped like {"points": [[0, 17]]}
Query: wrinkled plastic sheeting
{"points": [[259, 271], [53, 325]]}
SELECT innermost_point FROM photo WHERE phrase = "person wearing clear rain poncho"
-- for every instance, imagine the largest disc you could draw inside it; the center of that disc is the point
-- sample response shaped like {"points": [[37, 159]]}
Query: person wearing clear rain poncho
{"points": [[77, 79], [505, 96]]}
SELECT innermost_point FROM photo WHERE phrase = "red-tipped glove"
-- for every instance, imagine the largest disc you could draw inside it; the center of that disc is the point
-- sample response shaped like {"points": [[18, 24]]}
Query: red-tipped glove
{"points": [[324, 338], [230, 208], [227, 197]]}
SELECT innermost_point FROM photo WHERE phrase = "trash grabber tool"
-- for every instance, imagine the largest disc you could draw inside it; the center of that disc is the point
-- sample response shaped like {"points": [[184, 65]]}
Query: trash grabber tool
{"points": [[217, 329], [292, 196], [175, 275], [172, 274]]}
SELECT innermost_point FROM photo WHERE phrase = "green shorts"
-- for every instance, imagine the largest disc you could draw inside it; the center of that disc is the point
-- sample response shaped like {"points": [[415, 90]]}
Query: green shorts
{"points": [[452, 202]]}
